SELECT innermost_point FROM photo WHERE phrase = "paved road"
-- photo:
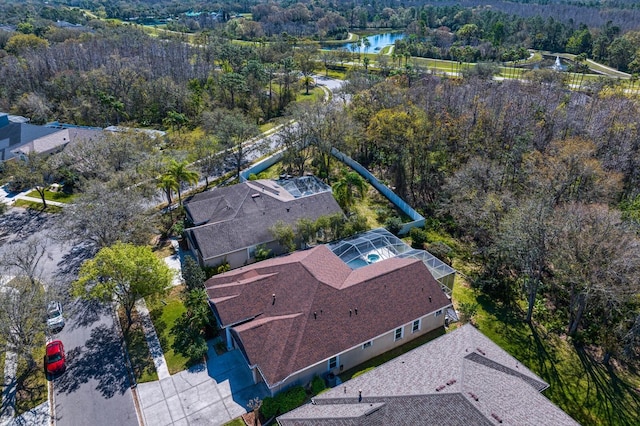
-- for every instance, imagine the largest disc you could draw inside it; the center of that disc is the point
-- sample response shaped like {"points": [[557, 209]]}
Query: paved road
{"points": [[95, 389]]}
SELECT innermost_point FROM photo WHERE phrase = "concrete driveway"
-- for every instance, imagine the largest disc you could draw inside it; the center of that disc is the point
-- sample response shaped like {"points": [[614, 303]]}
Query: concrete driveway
{"points": [[210, 394]]}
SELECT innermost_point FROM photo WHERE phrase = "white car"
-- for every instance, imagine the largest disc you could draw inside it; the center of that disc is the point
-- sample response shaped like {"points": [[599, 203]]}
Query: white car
{"points": [[55, 320]]}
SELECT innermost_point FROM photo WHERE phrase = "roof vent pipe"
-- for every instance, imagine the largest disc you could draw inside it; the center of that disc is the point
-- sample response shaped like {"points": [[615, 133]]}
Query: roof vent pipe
{"points": [[273, 302]]}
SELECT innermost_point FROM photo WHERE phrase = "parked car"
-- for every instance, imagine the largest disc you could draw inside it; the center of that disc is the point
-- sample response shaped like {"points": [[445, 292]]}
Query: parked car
{"points": [[54, 360], [55, 320]]}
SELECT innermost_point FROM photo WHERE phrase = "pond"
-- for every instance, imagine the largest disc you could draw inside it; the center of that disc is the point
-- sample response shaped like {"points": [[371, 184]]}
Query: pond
{"points": [[378, 41]]}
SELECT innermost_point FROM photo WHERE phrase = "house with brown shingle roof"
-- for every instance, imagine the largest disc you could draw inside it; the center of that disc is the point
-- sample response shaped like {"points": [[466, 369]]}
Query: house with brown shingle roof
{"points": [[461, 378], [308, 313], [230, 222]]}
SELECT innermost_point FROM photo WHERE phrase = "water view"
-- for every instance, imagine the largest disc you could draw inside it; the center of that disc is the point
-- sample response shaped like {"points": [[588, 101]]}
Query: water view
{"points": [[378, 41]]}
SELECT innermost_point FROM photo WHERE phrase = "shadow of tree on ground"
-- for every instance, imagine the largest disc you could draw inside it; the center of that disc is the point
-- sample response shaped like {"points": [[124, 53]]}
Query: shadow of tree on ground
{"points": [[101, 361], [619, 400], [587, 390]]}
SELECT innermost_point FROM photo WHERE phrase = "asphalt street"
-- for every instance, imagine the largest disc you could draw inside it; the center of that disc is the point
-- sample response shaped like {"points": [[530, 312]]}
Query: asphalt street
{"points": [[95, 389]]}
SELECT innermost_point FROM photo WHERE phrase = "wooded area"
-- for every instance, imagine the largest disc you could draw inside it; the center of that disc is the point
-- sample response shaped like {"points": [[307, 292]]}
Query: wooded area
{"points": [[539, 182]]}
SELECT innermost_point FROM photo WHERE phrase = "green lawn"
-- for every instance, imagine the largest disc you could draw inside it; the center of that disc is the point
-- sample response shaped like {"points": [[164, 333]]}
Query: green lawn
{"points": [[164, 314], [141, 361], [235, 422], [32, 205], [580, 384], [32, 384], [315, 93], [2, 354], [61, 197]]}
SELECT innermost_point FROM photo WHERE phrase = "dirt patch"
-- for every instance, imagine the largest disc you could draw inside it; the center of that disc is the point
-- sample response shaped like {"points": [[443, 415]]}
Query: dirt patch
{"points": [[250, 419]]}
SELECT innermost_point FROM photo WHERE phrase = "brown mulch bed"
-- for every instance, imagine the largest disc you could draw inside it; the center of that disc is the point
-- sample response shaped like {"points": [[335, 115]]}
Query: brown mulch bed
{"points": [[250, 417]]}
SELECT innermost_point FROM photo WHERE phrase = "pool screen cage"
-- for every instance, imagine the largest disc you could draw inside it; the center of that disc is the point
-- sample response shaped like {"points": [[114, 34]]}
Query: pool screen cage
{"points": [[378, 244], [302, 186]]}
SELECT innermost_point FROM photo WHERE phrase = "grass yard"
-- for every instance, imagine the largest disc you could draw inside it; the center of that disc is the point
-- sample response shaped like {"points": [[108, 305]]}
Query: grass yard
{"points": [[394, 353], [31, 388], [163, 249], [61, 197], [235, 422], [141, 361], [580, 384], [164, 314], [2, 355], [32, 205], [315, 94]]}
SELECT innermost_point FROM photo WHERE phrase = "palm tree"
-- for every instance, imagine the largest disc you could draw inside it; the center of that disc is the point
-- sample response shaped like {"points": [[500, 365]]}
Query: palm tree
{"points": [[181, 174], [168, 184], [350, 184]]}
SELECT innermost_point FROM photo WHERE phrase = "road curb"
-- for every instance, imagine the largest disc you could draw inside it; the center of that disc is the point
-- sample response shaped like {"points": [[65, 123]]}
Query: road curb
{"points": [[125, 353]]}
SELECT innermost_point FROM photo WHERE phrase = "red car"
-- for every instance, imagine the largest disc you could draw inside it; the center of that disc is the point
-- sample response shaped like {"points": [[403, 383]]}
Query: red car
{"points": [[54, 360]]}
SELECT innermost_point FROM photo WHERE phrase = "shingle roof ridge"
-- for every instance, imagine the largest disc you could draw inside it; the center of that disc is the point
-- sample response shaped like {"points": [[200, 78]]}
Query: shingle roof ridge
{"points": [[265, 320], [478, 337], [487, 362]]}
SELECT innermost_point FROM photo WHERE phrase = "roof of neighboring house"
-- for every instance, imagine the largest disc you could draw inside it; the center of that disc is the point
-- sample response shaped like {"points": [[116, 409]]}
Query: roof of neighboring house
{"points": [[15, 135], [282, 335], [460, 378], [238, 216], [18, 136]]}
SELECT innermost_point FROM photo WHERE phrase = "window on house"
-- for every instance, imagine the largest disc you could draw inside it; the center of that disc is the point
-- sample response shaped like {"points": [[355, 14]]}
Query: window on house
{"points": [[367, 344], [416, 326], [333, 362], [398, 333], [438, 313]]}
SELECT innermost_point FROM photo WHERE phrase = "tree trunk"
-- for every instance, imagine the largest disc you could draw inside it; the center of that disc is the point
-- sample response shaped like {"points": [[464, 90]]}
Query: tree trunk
{"points": [[41, 192], [532, 292], [575, 321]]}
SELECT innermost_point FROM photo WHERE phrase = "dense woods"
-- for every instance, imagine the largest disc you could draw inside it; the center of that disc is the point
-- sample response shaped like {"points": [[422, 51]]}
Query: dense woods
{"points": [[542, 180], [541, 183]]}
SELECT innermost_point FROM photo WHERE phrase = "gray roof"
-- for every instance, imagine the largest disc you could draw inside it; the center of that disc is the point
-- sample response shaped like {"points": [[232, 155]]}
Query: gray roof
{"points": [[16, 135], [459, 378], [238, 216]]}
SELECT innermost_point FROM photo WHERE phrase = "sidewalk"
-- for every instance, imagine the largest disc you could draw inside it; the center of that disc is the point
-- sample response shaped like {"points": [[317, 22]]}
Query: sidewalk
{"points": [[9, 198], [211, 393]]}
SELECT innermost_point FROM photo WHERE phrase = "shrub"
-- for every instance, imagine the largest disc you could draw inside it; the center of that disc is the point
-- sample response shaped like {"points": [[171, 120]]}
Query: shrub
{"points": [[393, 225], [317, 385], [418, 238], [262, 252], [269, 407], [283, 402]]}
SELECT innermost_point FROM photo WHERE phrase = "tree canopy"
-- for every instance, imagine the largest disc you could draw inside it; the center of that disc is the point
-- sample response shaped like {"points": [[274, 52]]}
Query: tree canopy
{"points": [[124, 273]]}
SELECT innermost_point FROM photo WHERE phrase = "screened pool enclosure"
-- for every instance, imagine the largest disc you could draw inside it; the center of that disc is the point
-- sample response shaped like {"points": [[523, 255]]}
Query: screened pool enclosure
{"points": [[379, 244]]}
